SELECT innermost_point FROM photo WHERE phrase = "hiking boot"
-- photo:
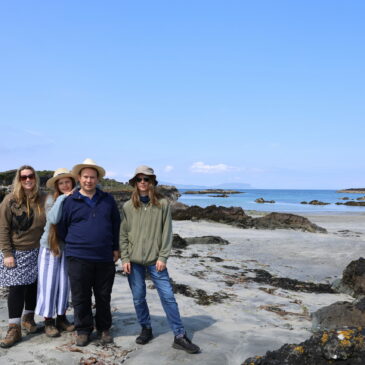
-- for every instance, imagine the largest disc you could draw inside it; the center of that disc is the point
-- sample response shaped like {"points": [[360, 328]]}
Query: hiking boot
{"points": [[183, 343], [13, 336], [63, 324], [50, 329], [105, 337], [145, 336], [28, 323], [82, 339]]}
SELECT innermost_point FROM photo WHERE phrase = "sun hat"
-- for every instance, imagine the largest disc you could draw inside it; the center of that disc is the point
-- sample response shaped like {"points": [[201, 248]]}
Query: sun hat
{"points": [[59, 174], [88, 163], [145, 170]]}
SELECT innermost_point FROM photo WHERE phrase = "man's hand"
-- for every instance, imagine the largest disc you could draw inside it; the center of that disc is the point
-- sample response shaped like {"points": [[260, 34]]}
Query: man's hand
{"points": [[9, 262], [127, 267], [115, 256], [160, 265]]}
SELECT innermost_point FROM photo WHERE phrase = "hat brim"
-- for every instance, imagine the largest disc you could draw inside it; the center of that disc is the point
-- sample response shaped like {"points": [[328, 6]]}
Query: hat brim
{"points": [[76, 169], [133, 180], [51, 182]]}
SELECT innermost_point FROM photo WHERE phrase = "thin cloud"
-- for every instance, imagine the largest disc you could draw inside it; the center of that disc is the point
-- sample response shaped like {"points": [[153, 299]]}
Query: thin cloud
{"points": [[202, 168], [168, 168]]}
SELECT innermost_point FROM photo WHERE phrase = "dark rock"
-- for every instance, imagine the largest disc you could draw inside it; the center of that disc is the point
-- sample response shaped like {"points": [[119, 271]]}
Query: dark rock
{"points": [[200, 295], [339, 314], [216, 258], [353, 191], [317, 202], [287, 221], [262, 200], [206, 240], [178, 242], [263, 276], [236, 216], [361, 198], [303, 202], [352, 203], [177, 205], [342, 346], [354, 277], [219, 196], [230, 267], [344, 198]]}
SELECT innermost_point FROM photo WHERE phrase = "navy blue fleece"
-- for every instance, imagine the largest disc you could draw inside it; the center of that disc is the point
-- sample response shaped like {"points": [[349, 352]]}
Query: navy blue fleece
{"points": [[90, 231]]}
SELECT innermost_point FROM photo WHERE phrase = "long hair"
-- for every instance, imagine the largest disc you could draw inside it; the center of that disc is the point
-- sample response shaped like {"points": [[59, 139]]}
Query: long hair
{"points": [[54, 244], [19, 194], [152, 194]]}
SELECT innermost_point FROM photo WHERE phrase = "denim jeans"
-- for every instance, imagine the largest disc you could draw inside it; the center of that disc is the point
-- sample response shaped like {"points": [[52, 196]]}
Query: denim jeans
{"points": [[161, 280]]}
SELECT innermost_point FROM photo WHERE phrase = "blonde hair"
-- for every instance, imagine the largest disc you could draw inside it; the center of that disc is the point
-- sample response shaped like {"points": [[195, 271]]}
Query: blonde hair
{"points": [[19, 194], [152, 194], [53, 241]]}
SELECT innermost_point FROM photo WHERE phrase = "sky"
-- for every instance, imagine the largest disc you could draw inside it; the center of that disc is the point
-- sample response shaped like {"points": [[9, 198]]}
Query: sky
{"points": [[268, 93]]}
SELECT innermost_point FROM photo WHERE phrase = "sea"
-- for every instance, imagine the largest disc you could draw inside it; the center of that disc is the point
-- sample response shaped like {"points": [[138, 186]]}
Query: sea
{"points": [[288, 201]]}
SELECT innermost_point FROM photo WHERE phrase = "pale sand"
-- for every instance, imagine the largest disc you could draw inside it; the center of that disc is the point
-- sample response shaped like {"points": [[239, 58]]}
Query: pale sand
{"points": [[239, 327]]}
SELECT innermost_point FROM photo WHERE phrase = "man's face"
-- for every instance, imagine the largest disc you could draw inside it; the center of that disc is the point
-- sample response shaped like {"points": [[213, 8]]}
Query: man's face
{"points": [[88, 179]]}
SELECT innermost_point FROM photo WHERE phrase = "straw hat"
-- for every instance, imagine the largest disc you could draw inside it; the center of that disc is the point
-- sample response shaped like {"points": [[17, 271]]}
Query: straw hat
{"points": [[59, 174], [88, 163], [145, 170]]}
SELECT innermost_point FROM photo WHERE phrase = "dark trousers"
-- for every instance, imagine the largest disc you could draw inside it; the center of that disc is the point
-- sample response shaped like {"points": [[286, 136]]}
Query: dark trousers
{"points": [[20, 295], [87, 277]]}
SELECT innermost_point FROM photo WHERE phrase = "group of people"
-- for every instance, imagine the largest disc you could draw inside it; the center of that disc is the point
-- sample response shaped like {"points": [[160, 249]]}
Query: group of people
{"points": [[70, 240]]}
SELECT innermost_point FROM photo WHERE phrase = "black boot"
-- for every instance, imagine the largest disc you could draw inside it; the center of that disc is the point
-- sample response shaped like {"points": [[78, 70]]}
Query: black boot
{"points": [[183, 343], [145, 336]]}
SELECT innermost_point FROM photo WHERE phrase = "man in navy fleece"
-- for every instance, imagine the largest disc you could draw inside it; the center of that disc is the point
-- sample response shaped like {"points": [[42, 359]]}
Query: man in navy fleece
{"points": [[89, 226]]}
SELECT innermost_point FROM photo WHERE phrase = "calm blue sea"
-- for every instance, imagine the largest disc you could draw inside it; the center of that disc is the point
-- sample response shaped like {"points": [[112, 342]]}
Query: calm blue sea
{"points": [[285, 200]]}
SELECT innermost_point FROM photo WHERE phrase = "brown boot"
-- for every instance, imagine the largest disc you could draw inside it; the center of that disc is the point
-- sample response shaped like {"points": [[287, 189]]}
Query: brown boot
{"points": [[28, 323], [13, 336], [50, 328], [63, 324]]}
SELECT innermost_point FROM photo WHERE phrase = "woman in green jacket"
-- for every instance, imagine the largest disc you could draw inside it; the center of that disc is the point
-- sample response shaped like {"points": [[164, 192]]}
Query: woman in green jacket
{"points": [[146, 238]]}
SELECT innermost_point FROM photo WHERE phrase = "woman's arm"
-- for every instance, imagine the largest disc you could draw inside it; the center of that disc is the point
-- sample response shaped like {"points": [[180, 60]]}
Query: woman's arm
{"points": [[55, 212], [5, 229]]}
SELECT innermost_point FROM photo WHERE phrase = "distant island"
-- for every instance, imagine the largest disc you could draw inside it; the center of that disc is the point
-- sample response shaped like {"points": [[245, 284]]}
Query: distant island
{"points": [[213, 191], [352, 190]]}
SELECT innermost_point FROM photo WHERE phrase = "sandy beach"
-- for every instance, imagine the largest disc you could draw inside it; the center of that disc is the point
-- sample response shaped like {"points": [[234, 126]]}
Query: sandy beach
{"points": [[251, 318]]}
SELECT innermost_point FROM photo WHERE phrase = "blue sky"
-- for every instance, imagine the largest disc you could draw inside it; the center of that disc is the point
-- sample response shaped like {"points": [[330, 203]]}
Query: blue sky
{"points": [[269, 93]]}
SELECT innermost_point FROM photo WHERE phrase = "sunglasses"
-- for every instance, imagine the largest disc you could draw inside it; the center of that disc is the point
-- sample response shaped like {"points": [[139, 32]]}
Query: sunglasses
{"points": [[25, 177], [145, 179]]}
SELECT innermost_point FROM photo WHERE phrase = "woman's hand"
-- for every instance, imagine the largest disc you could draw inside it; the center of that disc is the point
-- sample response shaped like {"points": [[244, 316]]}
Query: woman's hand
{"points": [[160, 266], [9, 262], [127, 267]]}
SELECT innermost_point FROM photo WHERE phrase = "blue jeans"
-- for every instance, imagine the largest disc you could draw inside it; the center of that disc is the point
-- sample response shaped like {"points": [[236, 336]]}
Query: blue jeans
{"points": [[161, 280]]}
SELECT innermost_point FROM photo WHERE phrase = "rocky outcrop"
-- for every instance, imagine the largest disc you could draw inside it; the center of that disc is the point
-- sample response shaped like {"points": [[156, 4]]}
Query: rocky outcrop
{"points": [[179, 242], [233, 215], [287, 221], [361, 198], [339, 314], [169, 192], [317, 202], [262, 200], [353, 191], [353, 278], [236, 216], [344, 198], [353, 203], [342, 346], [264, 277]]}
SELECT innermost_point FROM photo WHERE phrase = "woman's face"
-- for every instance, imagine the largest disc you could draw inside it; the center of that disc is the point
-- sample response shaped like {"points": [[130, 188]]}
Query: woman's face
{"points": [[64, 185], [143, 183], [27, 180]]}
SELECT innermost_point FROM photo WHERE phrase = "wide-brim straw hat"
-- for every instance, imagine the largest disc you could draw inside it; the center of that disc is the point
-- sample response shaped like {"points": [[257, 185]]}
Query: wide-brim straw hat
{"points": [[59, 174], [145, 170], [91, 164]]}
